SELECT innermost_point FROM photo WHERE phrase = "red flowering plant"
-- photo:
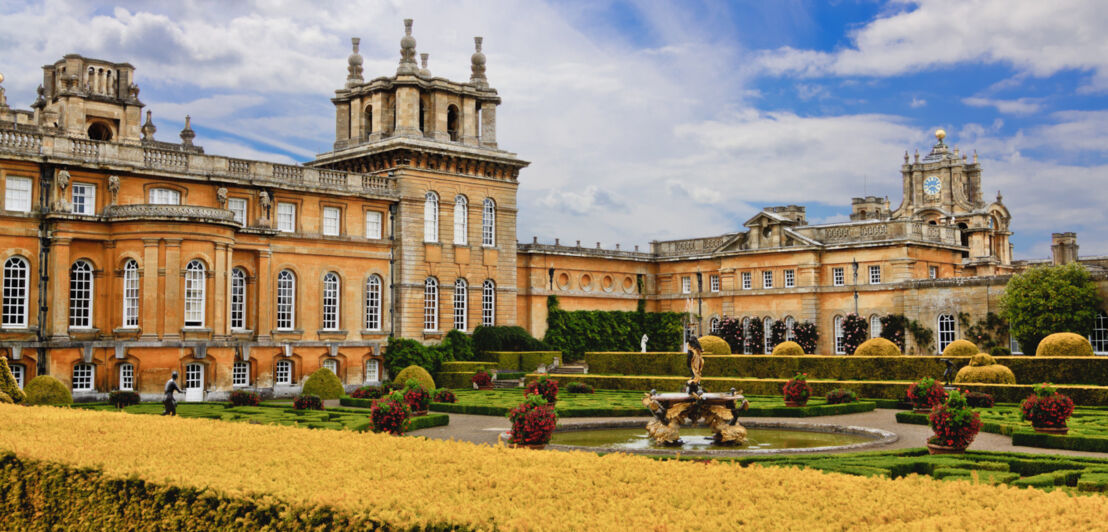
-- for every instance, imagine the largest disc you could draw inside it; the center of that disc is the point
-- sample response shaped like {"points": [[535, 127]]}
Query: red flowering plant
{"points": [[418, 399], [482, 379], [797, 389], [442, 395], [533, 422], [841, 395], [855, 331], [547, 388], [244, 398], [390, 414], [1046, 408], [368, 392], [307, 401], [954, 423], [926, 394]]}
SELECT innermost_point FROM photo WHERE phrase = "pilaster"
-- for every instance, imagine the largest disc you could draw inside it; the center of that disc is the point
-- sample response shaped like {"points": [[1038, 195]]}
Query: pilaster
{"points": [[173, 304], [150, 267], [59, 302]]}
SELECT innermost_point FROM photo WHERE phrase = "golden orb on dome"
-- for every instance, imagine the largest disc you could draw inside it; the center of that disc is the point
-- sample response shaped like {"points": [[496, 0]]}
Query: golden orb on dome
{"points": [[940, 134], [1, 78]]}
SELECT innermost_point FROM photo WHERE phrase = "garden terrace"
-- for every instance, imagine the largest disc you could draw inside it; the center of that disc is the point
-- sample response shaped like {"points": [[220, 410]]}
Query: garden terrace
{"points": [[1088, 428]]}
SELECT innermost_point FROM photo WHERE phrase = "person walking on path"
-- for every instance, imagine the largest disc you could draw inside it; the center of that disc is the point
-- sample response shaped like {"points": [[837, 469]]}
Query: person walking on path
{"points": [[169, 402]]}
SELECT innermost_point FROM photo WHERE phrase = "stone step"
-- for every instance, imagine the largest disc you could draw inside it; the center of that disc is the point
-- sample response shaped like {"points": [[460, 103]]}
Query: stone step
{"points": [[507, 383], [570, 370]]}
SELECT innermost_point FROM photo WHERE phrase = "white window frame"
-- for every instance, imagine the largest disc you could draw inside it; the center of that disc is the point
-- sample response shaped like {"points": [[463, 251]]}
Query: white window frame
{"points": [[82, 286], [286, 298], [767, 279], [87, 204], [372, 371], [286, 217], [17, 279], [331, 364], [488, 303], [839, 347], [332, 221], [130, 294], [331, 301], [461, 220], [431, 304], [875, 274], [238, 207], [875, 326], [933, 272], [373, 224], [127, 376], [84, 377], [282, 373], [686, 285], [194, 376], [488, 223], [767, 335], [461, 304], [1014, 344], [20, 374], [790, 329], [195, 294], [790, 278], [1098, 337], [431, 217], [748, 280], [165, 196], [747, 348], [238, 299], [373, 303], [17, 193], [240, 374], [713, 325], [946, 329], [838, 276], [713, 282]]}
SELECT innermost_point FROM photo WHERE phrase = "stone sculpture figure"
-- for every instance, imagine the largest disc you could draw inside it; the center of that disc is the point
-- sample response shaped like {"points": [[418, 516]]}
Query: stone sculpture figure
{"points": [[221, 196], [264, 202], [695, 361], [642, 343], [170, 402], [113, 188], [62, 180]]}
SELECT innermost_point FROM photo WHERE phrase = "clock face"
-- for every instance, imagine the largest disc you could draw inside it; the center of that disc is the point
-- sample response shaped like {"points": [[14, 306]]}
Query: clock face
{"points": [[932, 185]]}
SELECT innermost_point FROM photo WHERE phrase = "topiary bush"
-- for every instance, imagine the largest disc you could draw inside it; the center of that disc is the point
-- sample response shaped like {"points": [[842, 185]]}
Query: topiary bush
{"points": [[307, 402], [368, 392], [123, 398], [788, 349], [992, 374], [841, 396], [982, 359], [1064, 344], [878, 347], [579, 387], [324, 383], [5, 399], [419, 374], [7, 383], [961, 348], [714, 345], [46, 390]]}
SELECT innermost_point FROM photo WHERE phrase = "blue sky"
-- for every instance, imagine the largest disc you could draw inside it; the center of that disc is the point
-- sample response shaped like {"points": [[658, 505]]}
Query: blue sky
{"points": [[649, 120]]}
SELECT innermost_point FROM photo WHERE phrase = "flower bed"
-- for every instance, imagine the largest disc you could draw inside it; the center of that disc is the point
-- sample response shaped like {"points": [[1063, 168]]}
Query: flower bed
{"points": [[1088, 428], [332, 418]]}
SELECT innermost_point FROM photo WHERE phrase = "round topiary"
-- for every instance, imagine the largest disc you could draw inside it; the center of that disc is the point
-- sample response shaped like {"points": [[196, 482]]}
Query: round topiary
{"points": [[992, 374], [960, 348], [323, 384], [1064, 344], [417, 373], [877, 347], [791, 349], [982, 359], [714, 345], [46, 390]]}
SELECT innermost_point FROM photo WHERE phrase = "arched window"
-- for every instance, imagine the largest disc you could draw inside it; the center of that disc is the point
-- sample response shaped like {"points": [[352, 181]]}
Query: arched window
{"points": [[80, 295], [452, 122], [99, 131], [875, 326], [238, 299], [372, 371], [461, 220], [331, 364], [165, 196], [946, 331], [790, 329], [368, 120], [488, 223], [767, 328], [431, 304], [126, 376], [330, 301], [1099, 336], [19, 373], [286, 300], [240, 374], [84, 377], [194, 377], [747, 348], [713, 325], [282, 372], [839, 349], [373, 303], [488, 303], [130, 294], [16, 275], [461, 307], [431, 217], [194, 293]]}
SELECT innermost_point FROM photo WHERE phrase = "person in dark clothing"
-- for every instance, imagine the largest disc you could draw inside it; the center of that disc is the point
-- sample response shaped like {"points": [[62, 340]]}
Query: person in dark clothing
{"points": [[169, 402]]}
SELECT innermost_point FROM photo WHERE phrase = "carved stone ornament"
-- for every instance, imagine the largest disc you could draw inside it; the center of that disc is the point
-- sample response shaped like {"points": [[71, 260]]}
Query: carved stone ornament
{"points": [[264, 203], [62, 181], [221, 195], [113, 188]]}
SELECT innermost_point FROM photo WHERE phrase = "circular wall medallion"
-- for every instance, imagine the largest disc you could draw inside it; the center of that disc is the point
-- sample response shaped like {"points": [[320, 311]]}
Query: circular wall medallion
{"points": [[586, 282], [607, 283]]}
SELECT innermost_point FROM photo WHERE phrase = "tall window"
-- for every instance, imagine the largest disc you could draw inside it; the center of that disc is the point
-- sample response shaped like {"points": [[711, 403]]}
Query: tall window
{"points": [[372, 371], [713, 325], [933, 272], [126, 376], [18, 373], [839, 350], [874, 275], [194, 293], [875, 326], [747, 348], [686, 284], [1014, 345], [373, 303], [767, 334], [372, 224], [790, 329], [461, 220], [331, 222], [286, 217], [240, 374], [17, 194], [946, 331], [84, 198], [238, 299], [330, 301], [165, 196], [790, 278], [461, 307], [838, 276], [238, 207], [1099, 336], [282, 372], [130, 294], [767, 279], [488, 223], [746, 281], [194, 376], [488, 303], [713, 283], [431, 304], [80, 295], [83, 377], [431, 217], [16, 275], [331, 364], [286, 300]]}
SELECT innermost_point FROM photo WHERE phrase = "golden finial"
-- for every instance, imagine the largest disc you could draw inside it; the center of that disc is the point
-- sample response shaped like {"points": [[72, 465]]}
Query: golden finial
{"points": [[1, 78], [940, 134]]}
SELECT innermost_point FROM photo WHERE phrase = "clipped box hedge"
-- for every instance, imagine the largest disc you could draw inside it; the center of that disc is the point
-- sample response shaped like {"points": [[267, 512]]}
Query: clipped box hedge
{"points": [[522, 360], [455, 379], [467, 367], [1022, 435], [1028, 370]]}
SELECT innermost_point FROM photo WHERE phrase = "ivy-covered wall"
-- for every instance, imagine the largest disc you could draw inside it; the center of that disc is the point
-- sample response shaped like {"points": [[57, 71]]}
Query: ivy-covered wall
{"points": [[575, 332]]}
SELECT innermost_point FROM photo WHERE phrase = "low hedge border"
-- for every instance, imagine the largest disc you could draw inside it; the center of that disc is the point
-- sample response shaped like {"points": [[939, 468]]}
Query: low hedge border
{"points": [[522, 360], [466, 367], [455, 379], [777, 411], [1057, 370], [895, 390], [1021, 436]]}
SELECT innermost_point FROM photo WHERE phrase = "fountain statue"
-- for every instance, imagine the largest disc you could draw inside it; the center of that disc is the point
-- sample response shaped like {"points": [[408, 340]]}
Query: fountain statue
{"points": [[717, 410]]}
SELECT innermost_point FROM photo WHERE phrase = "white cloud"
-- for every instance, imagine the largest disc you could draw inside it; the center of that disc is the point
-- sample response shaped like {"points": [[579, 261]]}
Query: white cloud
{"points": [[916, 103], [1021, 106]]}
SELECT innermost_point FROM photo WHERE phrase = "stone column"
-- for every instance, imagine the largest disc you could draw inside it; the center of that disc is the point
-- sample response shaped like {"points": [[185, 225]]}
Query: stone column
{"points": [[173, 304], [220, 301], [469, 121], [148, 308], [59, 302], [488, 125], [407, 112], [265, 295], [112, 294]]}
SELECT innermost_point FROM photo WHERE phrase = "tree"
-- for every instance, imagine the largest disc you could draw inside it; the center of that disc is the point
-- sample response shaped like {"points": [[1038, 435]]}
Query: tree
{"points": [[1047, 300]]}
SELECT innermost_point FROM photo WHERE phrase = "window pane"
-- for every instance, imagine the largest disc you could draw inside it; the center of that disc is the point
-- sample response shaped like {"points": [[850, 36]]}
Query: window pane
{"points": [[17, 372], [431, 217], [875, 326], [461, 220], [714, 283], [130, 294], [286, 300], [194, 294], [372, 371], [16, 275], [488, 223], [241, 374], [331, 221], [283, 372], [946, 331], [1099, 336], [790, 278], [373, 303], [126, 377], [746, 280], [84, 198], [839, 335], [286, 217], [686, 285], [372, 224], [83, 376], [461, 305], [238, 299], [165, 196], [874, 275], [488, 304], [767, 279], [332, 365], [331, 301], [238, 206], [80, 295], [838, 276], [17, 194], [431, 305]]}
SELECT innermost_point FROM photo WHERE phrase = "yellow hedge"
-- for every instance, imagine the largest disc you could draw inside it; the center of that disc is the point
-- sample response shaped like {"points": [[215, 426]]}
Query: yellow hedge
{"points": [[994, 374], [961, 348], [792, 349], [417, 373], [46, 390], [323, 384], [5, 398], [877, 347], [714, 345], [480, 487], [1064, 345], [982, 359]]}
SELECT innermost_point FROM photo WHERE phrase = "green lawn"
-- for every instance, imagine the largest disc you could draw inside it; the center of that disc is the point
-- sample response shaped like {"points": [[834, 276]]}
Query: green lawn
{"points": [[1088, 427], [334, 419]]}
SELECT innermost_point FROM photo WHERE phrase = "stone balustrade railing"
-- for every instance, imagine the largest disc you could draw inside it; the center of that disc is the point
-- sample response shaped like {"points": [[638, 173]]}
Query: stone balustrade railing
{"points": [[886, 230], [191, 212]]}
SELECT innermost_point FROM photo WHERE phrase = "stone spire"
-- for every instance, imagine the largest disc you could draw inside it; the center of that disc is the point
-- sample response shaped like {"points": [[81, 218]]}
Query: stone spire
{"points": [[148, 129], [423, 72], [354, 65], [477, 64], [407, 51], [3, 98], [187, 134]]}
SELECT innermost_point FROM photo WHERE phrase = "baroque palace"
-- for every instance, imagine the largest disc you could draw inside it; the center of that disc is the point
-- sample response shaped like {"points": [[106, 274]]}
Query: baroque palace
{"points": [[126, 258]]}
